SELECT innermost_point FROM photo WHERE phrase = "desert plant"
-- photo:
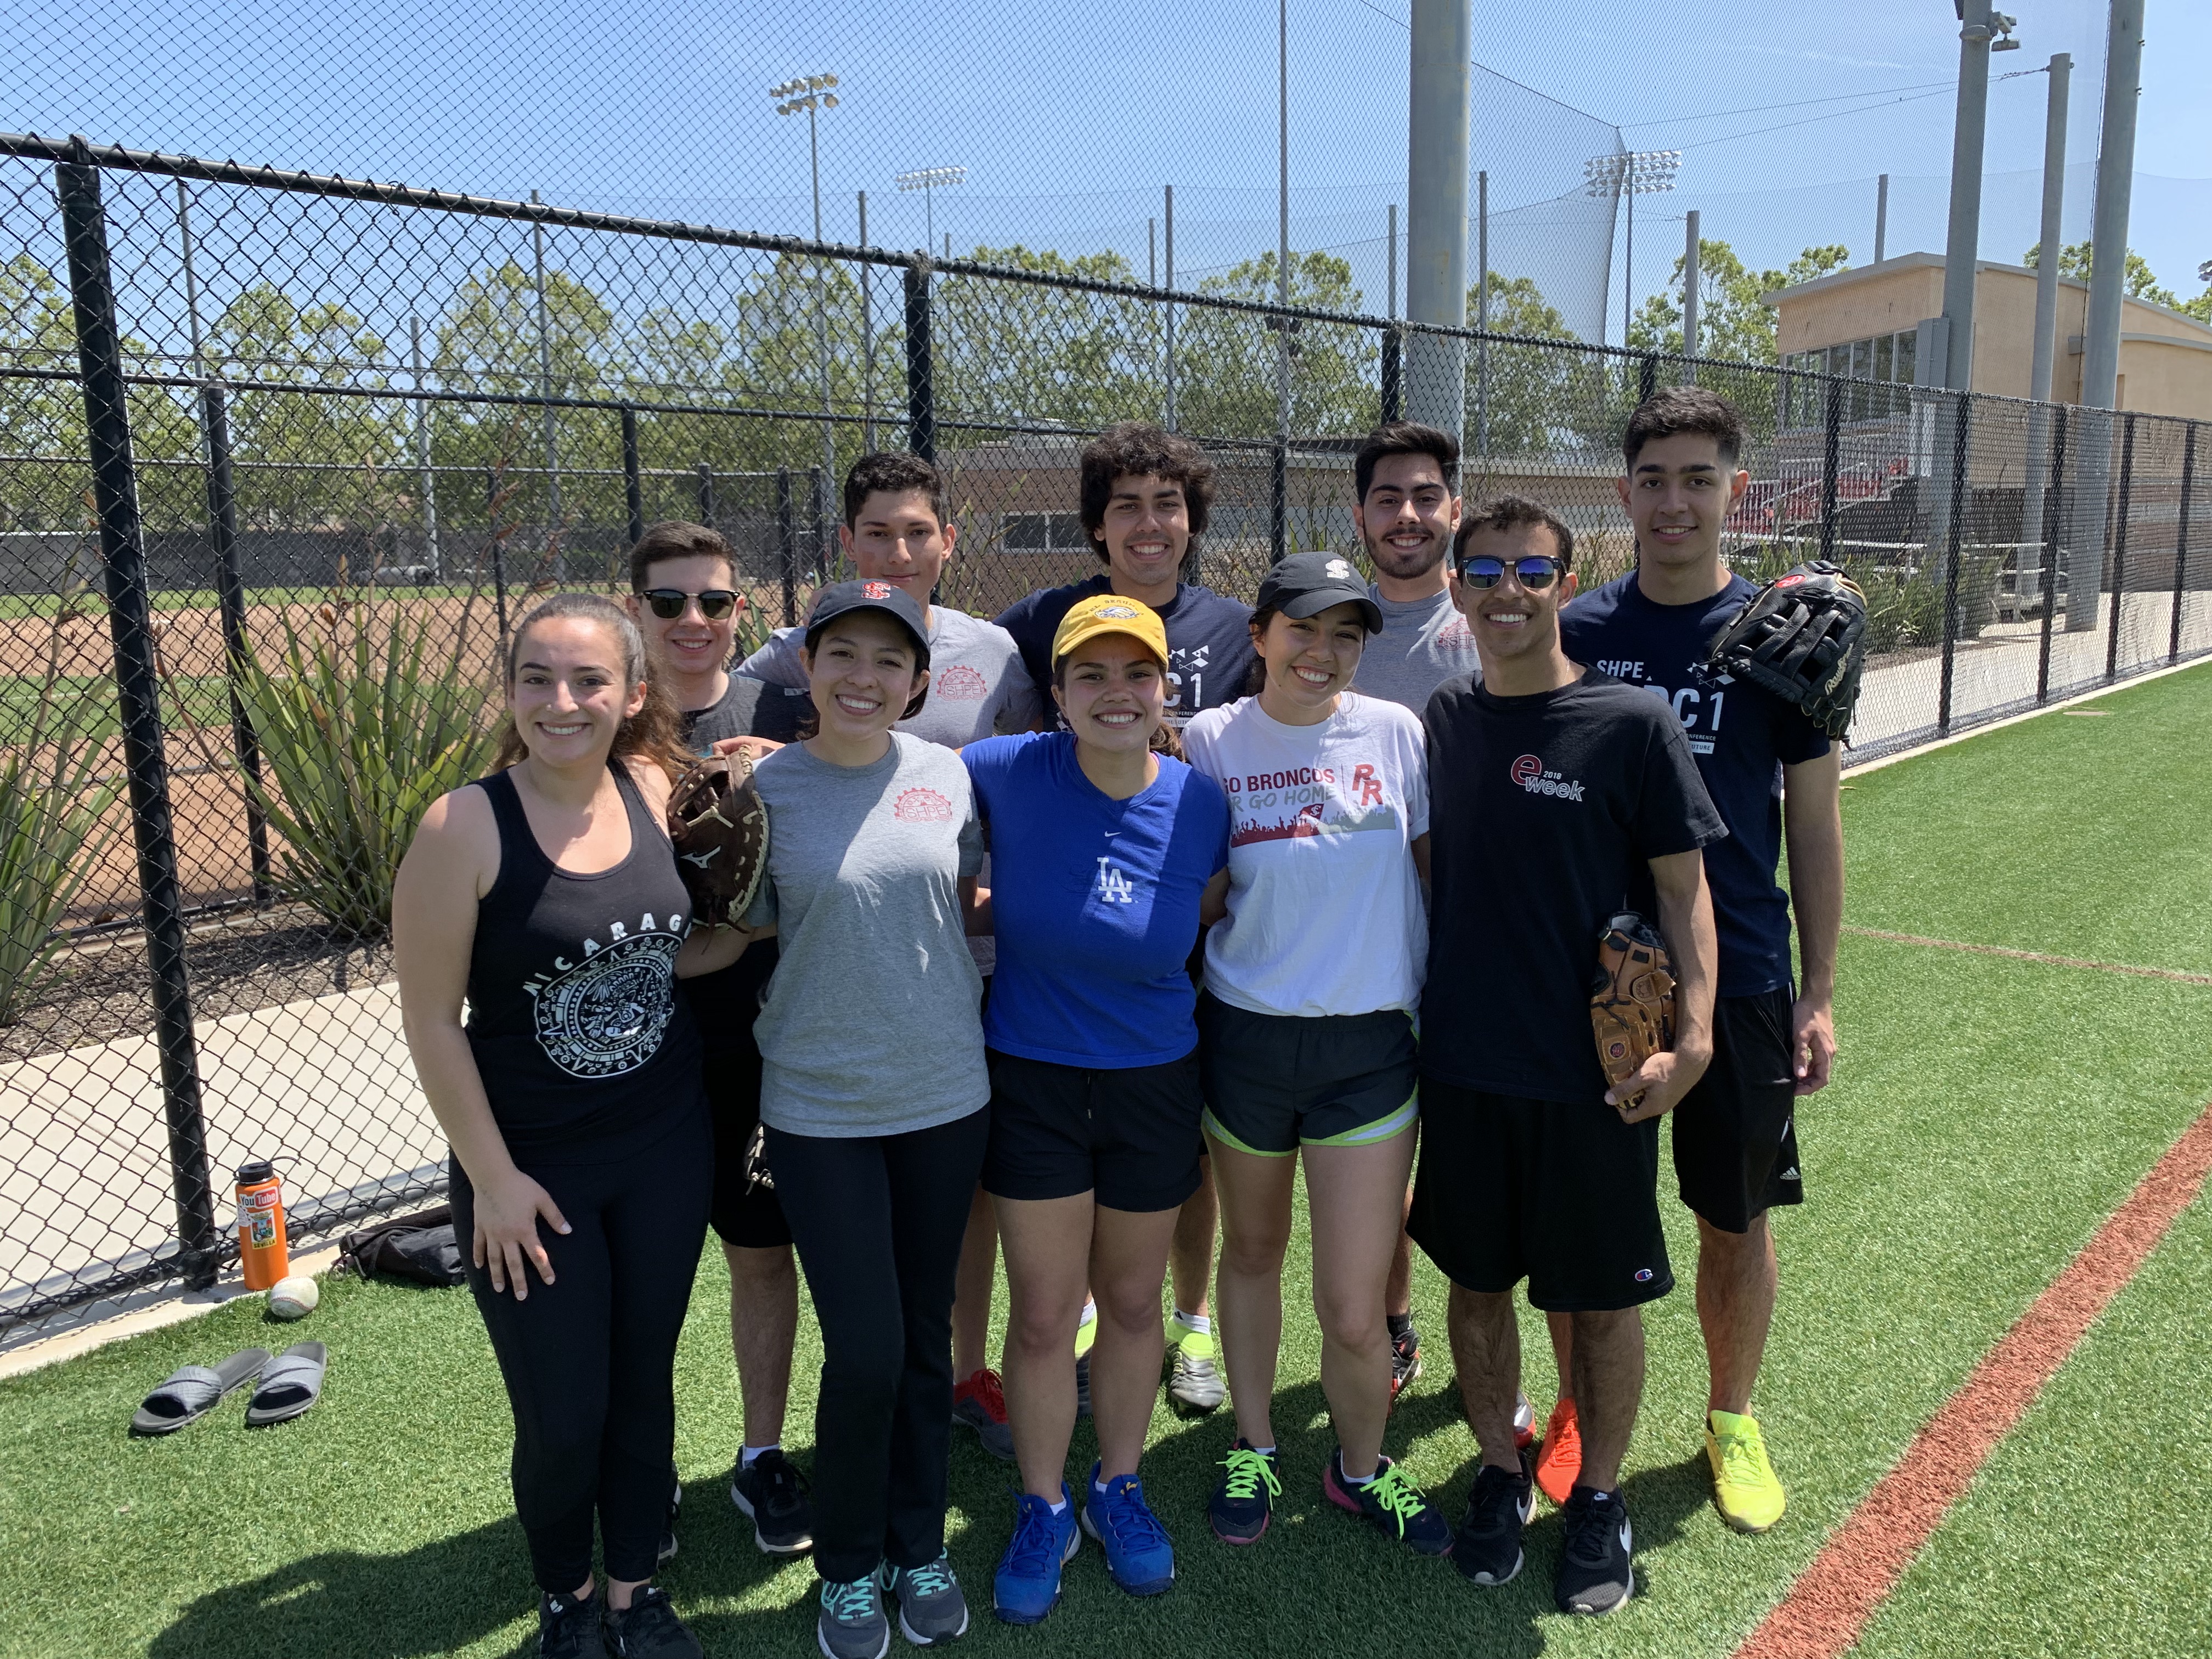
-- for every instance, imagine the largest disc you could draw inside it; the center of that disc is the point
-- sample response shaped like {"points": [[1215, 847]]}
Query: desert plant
{"points": [[53, 826], [362, 726]]}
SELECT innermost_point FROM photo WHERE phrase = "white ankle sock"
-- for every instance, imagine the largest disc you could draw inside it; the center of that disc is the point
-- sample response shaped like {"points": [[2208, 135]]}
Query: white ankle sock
{"points": [[746, 1455], [1197, 1322]]}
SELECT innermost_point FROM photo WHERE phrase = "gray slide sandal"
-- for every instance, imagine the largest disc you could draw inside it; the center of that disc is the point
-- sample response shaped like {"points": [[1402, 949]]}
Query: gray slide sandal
{"points": [[191, 1392], [293, 1383]]}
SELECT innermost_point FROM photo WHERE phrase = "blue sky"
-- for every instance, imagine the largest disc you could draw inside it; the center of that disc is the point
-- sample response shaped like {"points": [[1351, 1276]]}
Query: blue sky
{"points": [[1071, 116]]}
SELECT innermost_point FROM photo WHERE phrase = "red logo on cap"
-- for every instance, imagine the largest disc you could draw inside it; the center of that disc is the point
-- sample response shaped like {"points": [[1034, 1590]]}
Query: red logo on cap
{"points": [[876, 589]]}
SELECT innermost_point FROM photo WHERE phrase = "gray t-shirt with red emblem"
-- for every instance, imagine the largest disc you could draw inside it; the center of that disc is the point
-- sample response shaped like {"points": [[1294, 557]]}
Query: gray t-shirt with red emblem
{"points": [[978, 687], [1423, 644]]}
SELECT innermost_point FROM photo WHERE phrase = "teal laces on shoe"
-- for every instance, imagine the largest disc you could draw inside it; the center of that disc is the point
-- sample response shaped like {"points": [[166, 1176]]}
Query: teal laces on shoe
{"points": [[852, 1604], [1248, 1472], [931, 1578]]}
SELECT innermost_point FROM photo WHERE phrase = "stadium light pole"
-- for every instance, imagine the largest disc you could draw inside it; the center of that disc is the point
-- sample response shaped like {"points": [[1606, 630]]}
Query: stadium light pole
{"points": [[2045, 358], [929, 181], [813, 94], [1631, 174]]}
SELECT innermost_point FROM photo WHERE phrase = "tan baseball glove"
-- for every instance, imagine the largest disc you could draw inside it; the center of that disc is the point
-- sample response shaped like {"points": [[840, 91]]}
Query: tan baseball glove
{"points": [[1631, 999]]}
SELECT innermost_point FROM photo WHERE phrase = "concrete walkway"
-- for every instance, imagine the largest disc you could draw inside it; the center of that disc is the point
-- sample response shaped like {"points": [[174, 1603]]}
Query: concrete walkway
{"points": [[323, 1087]]}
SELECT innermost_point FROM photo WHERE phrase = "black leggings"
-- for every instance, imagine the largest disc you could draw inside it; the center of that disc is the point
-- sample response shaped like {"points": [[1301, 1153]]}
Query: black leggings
{"points": [[590, 1359], [879, 1220]]}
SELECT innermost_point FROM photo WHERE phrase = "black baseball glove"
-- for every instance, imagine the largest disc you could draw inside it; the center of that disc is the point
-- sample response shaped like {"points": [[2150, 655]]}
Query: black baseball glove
{"points": [[720, 826], [1802, 638]]}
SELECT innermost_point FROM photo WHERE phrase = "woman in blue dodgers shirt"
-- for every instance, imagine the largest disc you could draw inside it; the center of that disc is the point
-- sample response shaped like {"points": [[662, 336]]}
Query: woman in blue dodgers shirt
{"points": [[1106, 852], [1308, 1029], [546, 895]]}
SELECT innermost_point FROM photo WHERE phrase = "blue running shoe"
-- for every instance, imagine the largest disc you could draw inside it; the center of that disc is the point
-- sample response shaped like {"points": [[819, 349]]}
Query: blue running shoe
{"points": [[1138, 1556], [1028, 1584]]}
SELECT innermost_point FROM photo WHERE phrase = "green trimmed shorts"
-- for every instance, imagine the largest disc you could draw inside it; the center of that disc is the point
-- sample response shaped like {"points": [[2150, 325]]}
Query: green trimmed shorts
{"points": [[1276, 1082]]}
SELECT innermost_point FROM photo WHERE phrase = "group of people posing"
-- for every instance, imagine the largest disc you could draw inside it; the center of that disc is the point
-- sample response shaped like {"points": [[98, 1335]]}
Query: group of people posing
{"points": [[1081, 931]]}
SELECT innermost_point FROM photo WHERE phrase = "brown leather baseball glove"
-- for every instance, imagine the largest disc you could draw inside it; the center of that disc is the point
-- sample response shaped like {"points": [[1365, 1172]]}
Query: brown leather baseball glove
{"points": [[1631, 999], [719, 826]]}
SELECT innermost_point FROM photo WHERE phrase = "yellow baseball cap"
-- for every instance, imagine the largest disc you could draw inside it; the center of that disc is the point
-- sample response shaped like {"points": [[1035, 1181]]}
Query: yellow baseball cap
{"points": [[1109, 613]]}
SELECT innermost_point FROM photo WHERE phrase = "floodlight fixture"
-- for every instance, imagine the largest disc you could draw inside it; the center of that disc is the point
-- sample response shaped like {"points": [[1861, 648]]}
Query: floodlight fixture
{"points": [[929, 181], [1627, 175]]}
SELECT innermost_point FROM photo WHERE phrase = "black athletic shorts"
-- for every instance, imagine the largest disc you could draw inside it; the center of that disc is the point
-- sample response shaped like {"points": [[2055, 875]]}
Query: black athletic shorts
{"points": [[725, 1005], [1127, 1136], [1277, 1082], [1736, 1135], [1565, 1195]]}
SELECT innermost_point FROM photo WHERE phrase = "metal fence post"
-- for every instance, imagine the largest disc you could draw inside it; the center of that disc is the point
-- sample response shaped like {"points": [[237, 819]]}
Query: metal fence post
{"points": [[2054, 520], [633, 480], [1831, 447], [817, 495], [498, 560], [920, 396], [1647, 378], [1393, 374], [129, 620], [706, 494], [2181, 541], [1952, 560], [1279, 500], [787, 522], [2120, 512], [230, 595]]}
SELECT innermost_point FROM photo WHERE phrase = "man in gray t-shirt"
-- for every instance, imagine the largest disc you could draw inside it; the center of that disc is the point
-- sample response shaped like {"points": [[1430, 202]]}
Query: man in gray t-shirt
{"points": [[1407, 511]]}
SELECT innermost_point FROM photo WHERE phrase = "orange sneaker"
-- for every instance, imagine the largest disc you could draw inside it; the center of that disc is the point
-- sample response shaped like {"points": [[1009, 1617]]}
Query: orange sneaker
{"points": [[1561, 1460]]}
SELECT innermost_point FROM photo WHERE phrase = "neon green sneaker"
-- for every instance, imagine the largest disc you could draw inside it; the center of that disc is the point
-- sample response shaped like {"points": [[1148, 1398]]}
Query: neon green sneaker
{"points": [[1745, 1490]]}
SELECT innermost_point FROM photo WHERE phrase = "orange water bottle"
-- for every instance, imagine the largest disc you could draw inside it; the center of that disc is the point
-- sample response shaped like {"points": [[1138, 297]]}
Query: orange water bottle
{"points": [[261, 1225]]}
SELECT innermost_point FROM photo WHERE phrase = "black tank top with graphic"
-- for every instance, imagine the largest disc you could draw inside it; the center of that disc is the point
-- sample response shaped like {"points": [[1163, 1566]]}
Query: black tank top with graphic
{"points": [[574, 1018]]}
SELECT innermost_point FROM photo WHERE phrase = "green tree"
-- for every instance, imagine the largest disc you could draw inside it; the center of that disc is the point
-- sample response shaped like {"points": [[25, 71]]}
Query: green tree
{"points": [[1529, 399], [2077, 260], [1226, 361], [39, 416], [1021, 351], [1735, 322]]}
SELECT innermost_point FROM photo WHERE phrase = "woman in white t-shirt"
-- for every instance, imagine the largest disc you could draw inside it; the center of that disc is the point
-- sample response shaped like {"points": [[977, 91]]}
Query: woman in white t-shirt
{"points": [[1306, 1031]]}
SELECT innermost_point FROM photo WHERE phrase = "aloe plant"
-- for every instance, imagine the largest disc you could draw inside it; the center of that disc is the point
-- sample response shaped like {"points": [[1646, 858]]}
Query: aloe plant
{"points": [[362, 726], [53, 827]]}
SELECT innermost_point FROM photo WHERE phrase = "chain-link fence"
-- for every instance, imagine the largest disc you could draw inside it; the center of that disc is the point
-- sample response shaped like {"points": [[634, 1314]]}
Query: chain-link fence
{"points": [[282, 458]]}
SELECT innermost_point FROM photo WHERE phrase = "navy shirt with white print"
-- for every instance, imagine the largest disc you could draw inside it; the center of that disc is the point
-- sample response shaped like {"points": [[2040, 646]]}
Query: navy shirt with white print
{"points": [[1741, 737]]}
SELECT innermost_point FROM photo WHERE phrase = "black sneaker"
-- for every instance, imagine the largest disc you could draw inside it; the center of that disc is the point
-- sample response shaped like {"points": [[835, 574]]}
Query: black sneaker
{"points": [[1241, 1503], [1487, 1548], [1390, 1502], [772, 1495], [1404, 1361], [1594, 1576], [569, 1629], [668, 1527], [649, 1629]]}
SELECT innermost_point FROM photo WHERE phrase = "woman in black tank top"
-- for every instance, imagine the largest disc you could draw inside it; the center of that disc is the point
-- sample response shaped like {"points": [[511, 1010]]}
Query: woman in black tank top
{"points": [[547, 897]]}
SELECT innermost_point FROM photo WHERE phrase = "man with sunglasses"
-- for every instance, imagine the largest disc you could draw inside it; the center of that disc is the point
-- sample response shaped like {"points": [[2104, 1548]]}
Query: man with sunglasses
{"points": [[1558, 798], [683, 593], [898, 529], [1772, 772]]}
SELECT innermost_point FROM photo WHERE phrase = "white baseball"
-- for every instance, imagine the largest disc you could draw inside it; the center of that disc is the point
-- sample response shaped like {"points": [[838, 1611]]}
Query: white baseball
{"points": [[294, 1297]]}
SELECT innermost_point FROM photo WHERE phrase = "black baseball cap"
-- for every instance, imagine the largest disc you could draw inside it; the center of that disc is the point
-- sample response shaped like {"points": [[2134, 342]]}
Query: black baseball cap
{"points": [[893, 600], [1306, 584]]}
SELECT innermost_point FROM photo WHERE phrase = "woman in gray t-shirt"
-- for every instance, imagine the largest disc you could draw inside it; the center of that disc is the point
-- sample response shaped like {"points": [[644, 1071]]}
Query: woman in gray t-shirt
{"points": [[874, 1092]]}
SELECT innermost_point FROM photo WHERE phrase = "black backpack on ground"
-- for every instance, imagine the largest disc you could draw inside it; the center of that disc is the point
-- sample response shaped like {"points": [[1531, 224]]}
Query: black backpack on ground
{"points": [[415, 1250]]}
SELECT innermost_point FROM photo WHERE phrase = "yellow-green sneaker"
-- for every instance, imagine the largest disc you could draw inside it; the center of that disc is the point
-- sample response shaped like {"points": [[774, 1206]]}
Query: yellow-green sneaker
{"points": [[1745, 1490]]}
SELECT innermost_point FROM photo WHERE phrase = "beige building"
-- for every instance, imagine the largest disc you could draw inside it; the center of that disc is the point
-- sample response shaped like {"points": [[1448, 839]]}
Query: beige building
{"points": [[1864, 323]]}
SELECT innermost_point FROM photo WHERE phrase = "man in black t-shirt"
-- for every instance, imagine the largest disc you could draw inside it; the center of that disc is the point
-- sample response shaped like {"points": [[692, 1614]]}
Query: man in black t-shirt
{"points": [[684, 594], [1558, 798]]}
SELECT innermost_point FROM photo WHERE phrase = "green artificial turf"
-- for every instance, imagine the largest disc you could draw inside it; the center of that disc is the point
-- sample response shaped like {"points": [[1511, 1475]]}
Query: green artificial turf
{"points": [[2080, 833], [1987, 1113], [2085, 1533], [193, 700]]}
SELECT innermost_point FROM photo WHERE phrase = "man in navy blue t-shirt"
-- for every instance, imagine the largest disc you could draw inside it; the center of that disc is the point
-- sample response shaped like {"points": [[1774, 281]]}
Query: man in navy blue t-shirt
{"points": [[1144, 497], [1770, 773]]}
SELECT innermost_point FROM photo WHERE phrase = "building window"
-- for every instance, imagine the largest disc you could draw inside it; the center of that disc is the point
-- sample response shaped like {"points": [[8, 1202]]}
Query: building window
{"points": [[1043, 532], [1875, 366]]}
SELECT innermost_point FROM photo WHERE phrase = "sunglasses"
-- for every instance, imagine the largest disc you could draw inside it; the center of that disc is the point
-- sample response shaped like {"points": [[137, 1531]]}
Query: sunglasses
{"points": [[668, 602], [1534, 571]]}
